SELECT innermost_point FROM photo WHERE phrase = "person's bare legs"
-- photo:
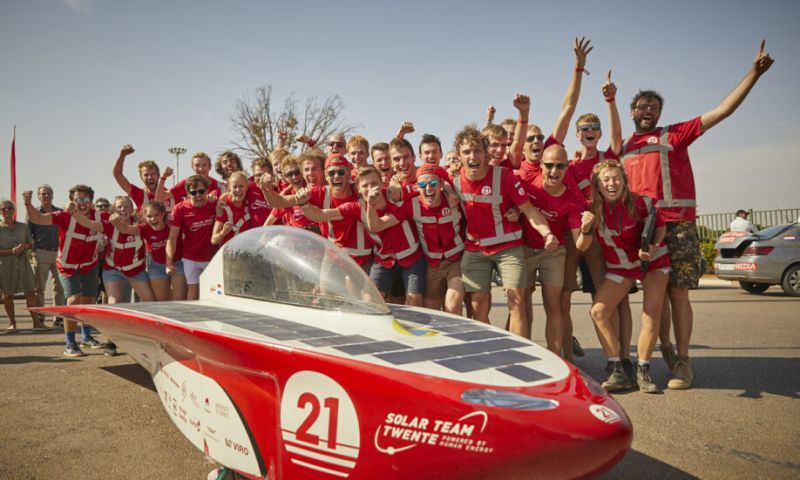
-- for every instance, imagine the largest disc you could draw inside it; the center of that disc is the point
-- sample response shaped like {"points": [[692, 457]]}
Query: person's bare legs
{"points": [[607, 298], [554, 324], [516, 312], [31, 302], [625, 326], [143, 290], [655, 287], [480, 305], [179, 287], [682, 318], [8, 303], [454, 298]]}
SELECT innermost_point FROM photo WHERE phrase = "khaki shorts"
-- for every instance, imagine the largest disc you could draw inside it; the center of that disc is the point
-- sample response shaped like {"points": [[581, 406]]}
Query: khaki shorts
{"points": [[594, 259], [684, 254], [547, 266], [439, 276], [476, 269]]}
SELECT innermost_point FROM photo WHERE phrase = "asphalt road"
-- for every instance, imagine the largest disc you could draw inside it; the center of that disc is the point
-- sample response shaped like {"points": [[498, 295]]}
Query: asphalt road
{"points": [[99, 417]]}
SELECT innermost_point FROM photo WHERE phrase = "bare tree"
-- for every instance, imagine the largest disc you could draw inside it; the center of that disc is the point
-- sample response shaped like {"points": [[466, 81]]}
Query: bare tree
{"points": [[257, 122]]}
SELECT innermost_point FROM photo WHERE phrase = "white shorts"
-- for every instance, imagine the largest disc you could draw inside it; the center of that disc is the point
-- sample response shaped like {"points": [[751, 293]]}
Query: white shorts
{"points": [[192, 270]]}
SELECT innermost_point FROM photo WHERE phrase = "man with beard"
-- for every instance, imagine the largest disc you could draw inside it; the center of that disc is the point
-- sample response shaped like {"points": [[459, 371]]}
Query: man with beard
{"points": [[656, 160]]}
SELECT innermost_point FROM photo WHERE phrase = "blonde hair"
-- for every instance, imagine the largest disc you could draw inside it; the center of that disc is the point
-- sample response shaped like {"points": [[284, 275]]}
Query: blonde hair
{"points": [[494, 130], [587, 118], [358, 141], [626, 197]]}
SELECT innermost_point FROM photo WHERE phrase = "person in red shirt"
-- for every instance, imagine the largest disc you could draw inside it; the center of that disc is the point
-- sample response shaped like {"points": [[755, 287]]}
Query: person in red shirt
{"points": [[382, 162], [441, 236], [562, 209], [397, 251], [506, 151], [656, 160], [227, 163], [233, 215], [201, 165], [578, 178], [155, 232], [193, 221], [620, 216], [259, 209], [148, 173], [358, 151], [78, 258], [292, 216], [124, 266], [493, 241]]}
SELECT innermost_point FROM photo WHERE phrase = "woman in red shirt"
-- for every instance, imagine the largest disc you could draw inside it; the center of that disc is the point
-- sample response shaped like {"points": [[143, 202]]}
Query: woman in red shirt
{"points": [[620, 216]]}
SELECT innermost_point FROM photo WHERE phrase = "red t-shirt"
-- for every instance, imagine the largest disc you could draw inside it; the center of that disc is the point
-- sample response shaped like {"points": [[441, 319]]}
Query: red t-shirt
{"points": [[621, 239], [156, 242], [197, 225], [562, 213], [642, 158], [398, 243], [348, 233], [259, 208], [579, 173], [142, 197], [440, 231], [528, 171], [239, 217], [485, 231], [76, 253]]}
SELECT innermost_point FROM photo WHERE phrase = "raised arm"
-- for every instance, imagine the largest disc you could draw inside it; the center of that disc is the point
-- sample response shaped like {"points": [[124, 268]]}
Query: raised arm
{"points": [[375, 223], [34, 215], [523, 104], [83, 220], [732, 101], [162, 193], [490, 111], [615, 126], [273, 198], [317, 215], [581, 49], [583, 235], [120, 177], [405, 128]]}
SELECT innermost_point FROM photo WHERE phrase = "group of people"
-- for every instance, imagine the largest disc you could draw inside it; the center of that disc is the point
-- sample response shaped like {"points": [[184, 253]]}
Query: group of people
{"points": [[508, 201]]}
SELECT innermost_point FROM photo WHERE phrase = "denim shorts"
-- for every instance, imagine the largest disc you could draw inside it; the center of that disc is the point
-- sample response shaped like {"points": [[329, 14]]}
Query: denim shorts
{"points": [[158, 271], [84, 284], [113, 275], [413, 276]]}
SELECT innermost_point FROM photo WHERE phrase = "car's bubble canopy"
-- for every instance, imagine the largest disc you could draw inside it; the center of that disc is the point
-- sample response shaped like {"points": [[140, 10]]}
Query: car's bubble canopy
{"points": [[294, 266]]}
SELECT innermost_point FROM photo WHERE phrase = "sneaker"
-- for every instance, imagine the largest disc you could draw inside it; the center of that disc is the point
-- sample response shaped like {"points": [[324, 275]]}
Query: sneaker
{"points": [[92, 343], [682, 375], [577, 350], [627, 367], [644, 381], [73, 350], [669, 355], [110, 350], [617, 380]]}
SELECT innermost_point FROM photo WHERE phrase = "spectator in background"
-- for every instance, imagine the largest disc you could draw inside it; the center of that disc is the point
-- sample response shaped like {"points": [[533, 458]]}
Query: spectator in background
{"points": [[45, 250], [741, 223], [15, 271]]}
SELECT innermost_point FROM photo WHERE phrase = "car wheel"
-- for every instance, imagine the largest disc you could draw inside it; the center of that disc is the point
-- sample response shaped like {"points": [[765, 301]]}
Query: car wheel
{"points": [[754, 287], [791, 281]]}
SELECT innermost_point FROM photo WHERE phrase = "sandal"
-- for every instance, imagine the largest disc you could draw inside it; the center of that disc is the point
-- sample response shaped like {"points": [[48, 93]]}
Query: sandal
{"points": [[11, 329]]}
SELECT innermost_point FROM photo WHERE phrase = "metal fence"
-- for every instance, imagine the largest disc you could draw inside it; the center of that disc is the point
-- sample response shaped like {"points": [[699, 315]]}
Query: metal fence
{"points": [[711, 226]]}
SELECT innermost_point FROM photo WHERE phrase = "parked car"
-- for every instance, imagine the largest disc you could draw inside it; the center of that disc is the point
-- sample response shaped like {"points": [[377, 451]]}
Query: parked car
{"points": [[769, 257]]}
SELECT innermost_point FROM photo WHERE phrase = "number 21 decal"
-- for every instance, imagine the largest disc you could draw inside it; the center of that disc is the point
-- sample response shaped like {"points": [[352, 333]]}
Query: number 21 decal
{"points": [[319, 424]]}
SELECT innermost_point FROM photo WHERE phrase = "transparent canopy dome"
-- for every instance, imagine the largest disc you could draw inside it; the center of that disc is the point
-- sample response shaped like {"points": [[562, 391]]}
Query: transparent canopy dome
{"points": [[294, 266]]}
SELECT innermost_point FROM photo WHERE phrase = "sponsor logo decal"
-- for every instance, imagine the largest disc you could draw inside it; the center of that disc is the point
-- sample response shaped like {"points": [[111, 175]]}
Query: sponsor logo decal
{"points": [[652, 140], [237, 447], [605, 414], [486, 190], [401, 432], [216, 289], [731, 237]]}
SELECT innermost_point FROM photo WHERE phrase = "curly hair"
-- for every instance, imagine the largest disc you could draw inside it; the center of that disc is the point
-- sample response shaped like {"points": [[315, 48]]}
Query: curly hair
{"points": [[471, 136], [648, 95], [225, 155]]}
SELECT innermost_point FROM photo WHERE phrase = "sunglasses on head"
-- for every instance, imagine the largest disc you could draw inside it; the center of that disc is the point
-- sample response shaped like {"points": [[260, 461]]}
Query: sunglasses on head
{"points": [[533, 138], [196, 192], [432, 183], [550, 166], [589, 126], [337, 171], [292, 173]]}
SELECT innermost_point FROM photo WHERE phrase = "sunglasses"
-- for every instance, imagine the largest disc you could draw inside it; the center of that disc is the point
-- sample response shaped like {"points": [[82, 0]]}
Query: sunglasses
{"points": [[338, 171], [292, 173], [533, 138], [83, 200], [196, 192], [336, 144], [102, 205], [7, 209], [550, 166], [432, 183], [589, 126]]}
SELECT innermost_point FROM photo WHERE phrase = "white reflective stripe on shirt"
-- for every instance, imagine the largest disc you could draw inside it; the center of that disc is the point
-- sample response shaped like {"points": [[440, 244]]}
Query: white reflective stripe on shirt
{"points": [[495, 200], [454, 219], [135, 243], [238, 225], [63, 254]]}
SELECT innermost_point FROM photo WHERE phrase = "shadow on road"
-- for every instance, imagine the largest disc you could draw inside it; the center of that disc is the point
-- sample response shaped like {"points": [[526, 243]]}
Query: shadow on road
{"points": [[35, 359], [637, 465], [133, 372]]}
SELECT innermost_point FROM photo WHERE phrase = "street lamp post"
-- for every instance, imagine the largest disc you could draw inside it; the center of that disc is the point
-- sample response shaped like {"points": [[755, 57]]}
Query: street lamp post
{"points": [[177, 151]]}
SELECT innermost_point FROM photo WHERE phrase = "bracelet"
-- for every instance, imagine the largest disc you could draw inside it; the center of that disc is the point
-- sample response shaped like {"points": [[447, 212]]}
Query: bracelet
{"points": [[609, 99], [311, 143], [579, 69], [523, 122]]}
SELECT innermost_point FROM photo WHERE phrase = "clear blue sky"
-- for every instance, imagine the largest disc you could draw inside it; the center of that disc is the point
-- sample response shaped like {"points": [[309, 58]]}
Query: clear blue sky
{"points": [[82, 77]]}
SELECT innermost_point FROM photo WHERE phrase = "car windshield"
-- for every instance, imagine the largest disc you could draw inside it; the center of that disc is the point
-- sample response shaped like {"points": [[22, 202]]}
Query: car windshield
{"points": [[770, 232], [297, 267]]}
